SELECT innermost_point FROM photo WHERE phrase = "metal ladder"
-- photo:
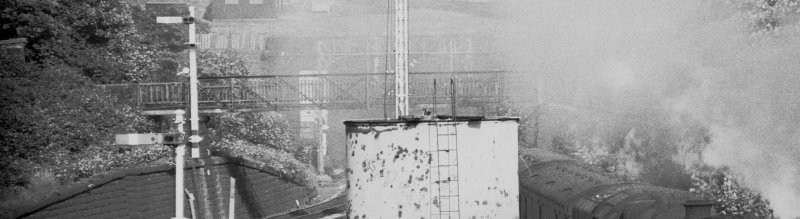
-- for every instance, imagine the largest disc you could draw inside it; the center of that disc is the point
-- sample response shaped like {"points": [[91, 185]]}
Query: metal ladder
{"points": [[444, 176]]}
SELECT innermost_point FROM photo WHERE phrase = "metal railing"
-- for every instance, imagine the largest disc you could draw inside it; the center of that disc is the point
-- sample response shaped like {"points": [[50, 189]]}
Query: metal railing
{"points": [[276, 92]]}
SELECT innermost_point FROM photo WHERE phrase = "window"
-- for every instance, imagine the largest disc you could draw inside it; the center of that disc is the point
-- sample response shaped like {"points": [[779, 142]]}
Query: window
{"points": [[256, 2], [231, 2]]}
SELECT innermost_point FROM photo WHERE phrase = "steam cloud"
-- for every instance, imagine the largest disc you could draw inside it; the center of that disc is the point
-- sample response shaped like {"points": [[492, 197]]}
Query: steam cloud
{"points": [[687, 58]]}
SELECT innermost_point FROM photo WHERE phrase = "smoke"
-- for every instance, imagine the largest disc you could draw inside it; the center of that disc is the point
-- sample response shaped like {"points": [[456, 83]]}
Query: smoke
{"points": [[690, 60], [749, 99]]}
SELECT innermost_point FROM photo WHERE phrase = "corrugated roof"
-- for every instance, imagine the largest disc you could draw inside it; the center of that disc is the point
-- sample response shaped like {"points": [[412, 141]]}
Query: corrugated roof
{"points": [[100, 180]]}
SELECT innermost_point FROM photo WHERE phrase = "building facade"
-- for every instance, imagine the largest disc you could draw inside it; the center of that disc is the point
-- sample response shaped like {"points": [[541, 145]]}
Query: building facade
{"points": [[243, 9]]}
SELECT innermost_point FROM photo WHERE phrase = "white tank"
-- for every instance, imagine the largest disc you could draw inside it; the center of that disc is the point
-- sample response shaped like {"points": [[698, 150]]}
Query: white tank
{"points": [[462, 168]]}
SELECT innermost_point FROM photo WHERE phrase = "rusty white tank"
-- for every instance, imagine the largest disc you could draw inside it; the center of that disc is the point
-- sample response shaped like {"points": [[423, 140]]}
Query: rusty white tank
{"points": [[433, 168]]}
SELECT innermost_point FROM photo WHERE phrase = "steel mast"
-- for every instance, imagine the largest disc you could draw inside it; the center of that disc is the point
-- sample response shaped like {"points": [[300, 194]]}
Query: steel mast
{"points": [[401, 58]]}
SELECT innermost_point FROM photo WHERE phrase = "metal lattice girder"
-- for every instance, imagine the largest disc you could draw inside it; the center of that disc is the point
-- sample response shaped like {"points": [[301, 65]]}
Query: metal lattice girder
{"points": [[323, 90], [205, 93], [359, 45], [342, 90], [259, 98], [298, 91]]}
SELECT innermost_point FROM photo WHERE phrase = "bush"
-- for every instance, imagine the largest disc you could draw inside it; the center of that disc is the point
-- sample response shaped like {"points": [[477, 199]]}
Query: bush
{"points": [[732, 198], [267, 130], [54, 109], [70, 167], [277, 159]]}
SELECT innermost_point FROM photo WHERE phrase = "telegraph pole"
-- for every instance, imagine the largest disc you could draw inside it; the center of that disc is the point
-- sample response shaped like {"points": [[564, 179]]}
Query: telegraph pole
{"points": [[401, 58]]}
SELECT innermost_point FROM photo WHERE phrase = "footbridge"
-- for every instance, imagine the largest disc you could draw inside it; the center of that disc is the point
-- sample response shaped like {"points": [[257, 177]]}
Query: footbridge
{"points": [[320, 91]]}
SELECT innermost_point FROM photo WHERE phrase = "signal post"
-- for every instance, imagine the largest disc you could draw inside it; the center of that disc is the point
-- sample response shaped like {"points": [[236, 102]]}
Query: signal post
{"points": [[194, 137]]}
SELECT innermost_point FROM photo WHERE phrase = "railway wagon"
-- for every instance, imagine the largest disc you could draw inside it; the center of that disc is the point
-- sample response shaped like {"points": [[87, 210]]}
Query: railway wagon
{"points": [[553, 186]]}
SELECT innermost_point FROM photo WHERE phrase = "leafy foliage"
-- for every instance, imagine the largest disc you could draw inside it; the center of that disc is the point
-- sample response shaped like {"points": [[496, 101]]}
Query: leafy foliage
{"points": [[731, 197], [95, 36], [70, 167], [211, 63], [277, 159], [108, 41], [54, 114], [55, 109], [257, 128], [261, 137], [761, 16]]}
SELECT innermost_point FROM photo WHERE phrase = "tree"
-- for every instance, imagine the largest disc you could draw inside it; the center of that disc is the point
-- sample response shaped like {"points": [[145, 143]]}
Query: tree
{"points": [[262, 137], [108, 41], [50, 110], [264, 129], [720, 185], [762, 16], [54, 116]]}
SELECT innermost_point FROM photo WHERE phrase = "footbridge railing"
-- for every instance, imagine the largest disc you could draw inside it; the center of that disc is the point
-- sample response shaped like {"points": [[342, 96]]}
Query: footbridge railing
{"points": [[283, 92]]}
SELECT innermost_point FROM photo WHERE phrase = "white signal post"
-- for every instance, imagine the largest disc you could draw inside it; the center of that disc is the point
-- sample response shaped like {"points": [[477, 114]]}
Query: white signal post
{"points": [[194, 138], [180, 151]]}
